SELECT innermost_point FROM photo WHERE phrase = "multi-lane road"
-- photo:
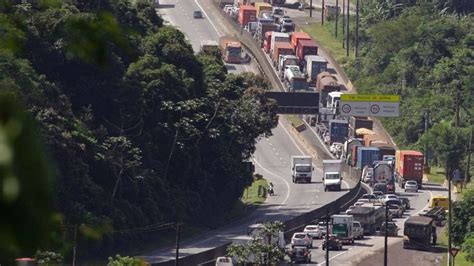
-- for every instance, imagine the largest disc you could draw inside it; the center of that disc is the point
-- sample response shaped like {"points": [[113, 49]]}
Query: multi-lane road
{"points": [[272, 160]]}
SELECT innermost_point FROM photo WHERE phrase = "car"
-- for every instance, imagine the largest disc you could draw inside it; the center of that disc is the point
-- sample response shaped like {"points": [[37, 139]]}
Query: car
{"points": [[370, 197], [397, 202], [387, 197], [301, 239], [348, 211], [378, 194], [392, 229], [405, 202], [363, 200], [382, 187], [313, 231], [358, 230], [300, 254], [334, 243], [197, 14], [395, 210], [411, 185], [357, 204], [224, 261]]}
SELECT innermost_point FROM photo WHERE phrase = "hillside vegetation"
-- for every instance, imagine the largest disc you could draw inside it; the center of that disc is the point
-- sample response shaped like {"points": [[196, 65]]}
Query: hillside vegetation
{"points": [[140, 130]]}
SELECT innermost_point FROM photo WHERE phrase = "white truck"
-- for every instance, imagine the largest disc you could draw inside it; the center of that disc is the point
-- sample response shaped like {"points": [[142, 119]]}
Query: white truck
{"points": [[332, 174], [342, 227], [302, 168], [278, 37]]}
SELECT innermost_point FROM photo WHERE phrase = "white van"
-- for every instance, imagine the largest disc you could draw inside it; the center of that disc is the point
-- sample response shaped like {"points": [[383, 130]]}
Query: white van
{"points": [[224, 261]]}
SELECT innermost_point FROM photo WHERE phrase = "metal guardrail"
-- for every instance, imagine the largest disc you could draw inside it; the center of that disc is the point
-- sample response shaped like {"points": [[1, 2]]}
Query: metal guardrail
{"points": [[299, 222]]}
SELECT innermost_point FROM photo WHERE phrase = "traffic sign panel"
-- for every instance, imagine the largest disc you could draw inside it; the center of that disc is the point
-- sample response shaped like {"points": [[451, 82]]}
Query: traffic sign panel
{"points": [[370, 105], [454, 251]]}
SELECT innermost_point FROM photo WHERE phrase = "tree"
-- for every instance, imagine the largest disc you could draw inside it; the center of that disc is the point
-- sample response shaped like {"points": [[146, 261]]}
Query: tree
{"points": [[263, 249], [463, 218]]}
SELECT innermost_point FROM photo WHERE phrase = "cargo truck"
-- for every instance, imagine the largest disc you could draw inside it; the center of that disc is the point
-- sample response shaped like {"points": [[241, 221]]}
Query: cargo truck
{"points": [[342, 227], [357, 122], [304, 48], [280, 48], [315, 64], [247, 13], [231, 49], [286, 60], [302, 168], [418, 232], [298, 35], [366, 156], [280, 37], [338, 130], [262, 30], [409, 166], [296, 80], [262, 7], [334, 98], [267, 41], [370, 216], [325, 84], [383, 172], [332, 174]]}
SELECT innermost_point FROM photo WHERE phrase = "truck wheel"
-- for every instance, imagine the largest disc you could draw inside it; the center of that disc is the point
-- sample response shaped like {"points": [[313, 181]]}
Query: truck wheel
{"points": [[325, 189]]}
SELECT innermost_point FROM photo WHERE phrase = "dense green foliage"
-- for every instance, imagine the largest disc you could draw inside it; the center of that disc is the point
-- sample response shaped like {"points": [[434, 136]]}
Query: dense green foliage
{"points": [[422, 51], [463, 223], [140, 129]]}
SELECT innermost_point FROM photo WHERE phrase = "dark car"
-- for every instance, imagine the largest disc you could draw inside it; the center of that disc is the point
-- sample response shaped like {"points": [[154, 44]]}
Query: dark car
{"points": [[300, 254], [396, 202], [392, 229], [405, 202], [334, 243], [197, 14], [380, 187]]}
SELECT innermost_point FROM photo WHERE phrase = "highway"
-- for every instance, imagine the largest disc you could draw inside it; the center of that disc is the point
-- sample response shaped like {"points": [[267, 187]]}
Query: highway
{"points": [[179, 13], [272, 157]]}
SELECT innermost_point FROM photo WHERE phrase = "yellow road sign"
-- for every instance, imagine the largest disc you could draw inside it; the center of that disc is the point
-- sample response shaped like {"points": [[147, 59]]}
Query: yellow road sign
{"points": [[369, 98]]}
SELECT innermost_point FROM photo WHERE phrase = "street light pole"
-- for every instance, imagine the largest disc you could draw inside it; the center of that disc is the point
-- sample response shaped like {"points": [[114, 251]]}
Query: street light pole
{"points": [[327, 236], [450, 213], [386, 237], [310, 8], [177, 244]]}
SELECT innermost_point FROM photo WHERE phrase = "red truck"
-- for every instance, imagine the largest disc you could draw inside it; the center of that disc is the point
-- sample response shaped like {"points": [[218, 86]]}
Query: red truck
{"points": [[267, 42], [279, 49], [247, 13], [409, 166], [304, 48], [298, 35]]}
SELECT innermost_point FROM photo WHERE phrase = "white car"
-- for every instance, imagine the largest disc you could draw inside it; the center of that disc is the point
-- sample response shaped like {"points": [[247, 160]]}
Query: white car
{"points": [[358, 230], [322, 227], [301, 239], [411, 185], [224, 261], [388, 197], [370, 197], [313, 231], [350, 209]]}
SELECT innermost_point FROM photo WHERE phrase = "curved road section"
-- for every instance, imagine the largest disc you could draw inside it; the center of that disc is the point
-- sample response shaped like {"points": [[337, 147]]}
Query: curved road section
{"points": [[272, 157]]}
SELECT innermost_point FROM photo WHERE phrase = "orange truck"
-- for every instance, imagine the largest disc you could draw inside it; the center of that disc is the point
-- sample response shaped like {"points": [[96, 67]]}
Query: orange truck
{"points": [[231, 49]]}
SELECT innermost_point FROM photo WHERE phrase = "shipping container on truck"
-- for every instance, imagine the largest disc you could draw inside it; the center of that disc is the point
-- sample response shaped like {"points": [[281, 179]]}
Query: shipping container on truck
{"points": [[354, 153], [231, 49], [298, 35], [247, 14], [367, 156], [325, 84], [315, 64], [304, 48], [263, 7], [279, 37], [280, 48], [376, 140], [409, 166], [267, 42], [347, 148], [338, 130], [262, 29], [356, 122]]}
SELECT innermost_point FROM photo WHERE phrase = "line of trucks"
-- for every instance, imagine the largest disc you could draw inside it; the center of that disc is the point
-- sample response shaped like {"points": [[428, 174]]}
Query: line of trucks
{"points": [[296, 60]]}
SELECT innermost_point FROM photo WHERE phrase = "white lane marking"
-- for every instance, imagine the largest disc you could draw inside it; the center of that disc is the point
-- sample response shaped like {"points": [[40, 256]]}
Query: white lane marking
{"points": [[277, 154], [333, 257], [208, 19], [426, 206], [269, 143], [281, 159], [279, 177]]}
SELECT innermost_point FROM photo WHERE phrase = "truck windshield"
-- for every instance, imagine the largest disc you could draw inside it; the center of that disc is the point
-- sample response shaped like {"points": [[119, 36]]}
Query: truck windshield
{"points": [[234, 51], [303, 168], [332, 176]]}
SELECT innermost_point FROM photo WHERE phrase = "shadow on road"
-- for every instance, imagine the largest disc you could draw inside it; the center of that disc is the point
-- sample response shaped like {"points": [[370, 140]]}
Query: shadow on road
{"points": [[166, 6]]}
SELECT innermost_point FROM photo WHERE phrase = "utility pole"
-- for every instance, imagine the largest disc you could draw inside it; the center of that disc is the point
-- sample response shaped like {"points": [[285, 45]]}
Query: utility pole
{"points": [[337, 15], [457, 105], [386, 237], [177, 244], [343, 21], [467, 177], [327, 236], [310, 8], [450, 213], [357, 30], [75, 245], [347, 29], [427, 118], [322, 13]]}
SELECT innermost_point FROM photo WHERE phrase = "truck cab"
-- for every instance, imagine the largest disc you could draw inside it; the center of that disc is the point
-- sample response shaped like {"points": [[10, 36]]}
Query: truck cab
{"points": [[333, 100], [332, 174], [343, 227], [302, 168]]}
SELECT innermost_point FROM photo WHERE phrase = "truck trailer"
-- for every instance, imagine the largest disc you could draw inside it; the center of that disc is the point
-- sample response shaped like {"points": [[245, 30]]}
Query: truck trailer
{"points": [[332, 174], [409, 166], [418, 232]]}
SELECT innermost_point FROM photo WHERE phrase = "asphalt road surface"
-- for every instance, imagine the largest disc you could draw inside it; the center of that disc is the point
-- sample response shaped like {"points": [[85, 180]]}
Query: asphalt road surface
{"points": [[179, 13]]}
